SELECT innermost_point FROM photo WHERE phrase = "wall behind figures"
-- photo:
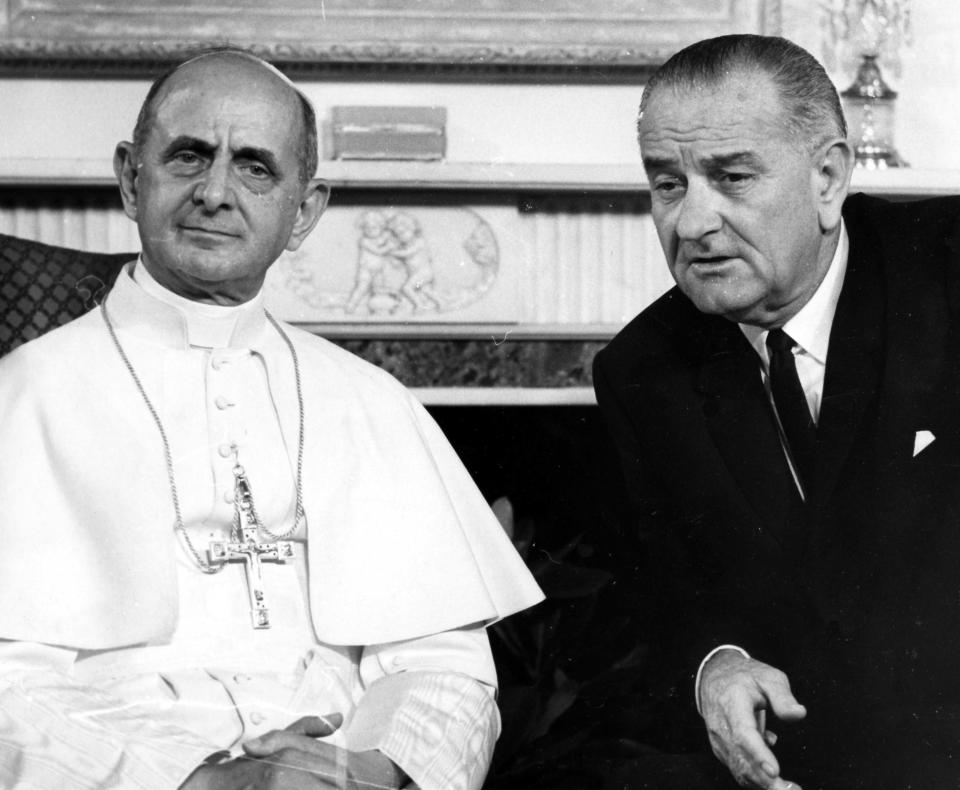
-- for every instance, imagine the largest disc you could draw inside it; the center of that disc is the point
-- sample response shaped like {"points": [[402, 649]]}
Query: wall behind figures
{"points": [[552, 121], [927, 113], [563, 263], [486, 122]]}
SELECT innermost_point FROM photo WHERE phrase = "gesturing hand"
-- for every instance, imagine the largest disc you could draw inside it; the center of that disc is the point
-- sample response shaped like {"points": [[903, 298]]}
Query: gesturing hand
{"points": [[293, 758], [735, 694]]}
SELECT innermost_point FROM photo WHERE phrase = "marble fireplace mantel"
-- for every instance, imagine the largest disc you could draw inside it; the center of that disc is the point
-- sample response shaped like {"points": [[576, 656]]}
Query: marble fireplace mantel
{"points": [[474, 283]]}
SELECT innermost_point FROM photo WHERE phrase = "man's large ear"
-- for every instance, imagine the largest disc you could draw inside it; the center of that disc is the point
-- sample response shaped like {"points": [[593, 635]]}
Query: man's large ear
{"points": [[832, 181], [314, 201], [125, 169]]}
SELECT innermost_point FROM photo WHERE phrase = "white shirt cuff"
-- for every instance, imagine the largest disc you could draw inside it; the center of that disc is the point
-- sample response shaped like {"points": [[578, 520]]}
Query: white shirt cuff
{"points": [[711, 654], [430, 707], [439, 728]]}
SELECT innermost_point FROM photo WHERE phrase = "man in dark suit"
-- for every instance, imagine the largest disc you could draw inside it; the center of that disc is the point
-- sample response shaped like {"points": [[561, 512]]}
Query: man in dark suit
{"points": [[787, 421]]}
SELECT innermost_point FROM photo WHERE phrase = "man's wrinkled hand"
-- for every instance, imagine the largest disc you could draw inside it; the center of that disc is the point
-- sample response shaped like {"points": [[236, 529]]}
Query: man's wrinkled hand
{"points": [[735, 695], [293, 758]]}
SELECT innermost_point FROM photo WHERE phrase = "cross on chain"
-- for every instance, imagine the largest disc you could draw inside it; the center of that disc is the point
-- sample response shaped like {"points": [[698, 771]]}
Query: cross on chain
{"points": [[251, 551]]}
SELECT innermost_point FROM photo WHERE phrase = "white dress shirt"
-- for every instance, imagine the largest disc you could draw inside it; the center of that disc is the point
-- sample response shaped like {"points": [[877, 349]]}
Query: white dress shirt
{"points": [[810, 330]]}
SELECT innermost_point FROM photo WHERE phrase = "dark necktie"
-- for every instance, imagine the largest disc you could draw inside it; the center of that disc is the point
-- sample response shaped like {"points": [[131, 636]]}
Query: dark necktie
{"points": [[791, 403]]}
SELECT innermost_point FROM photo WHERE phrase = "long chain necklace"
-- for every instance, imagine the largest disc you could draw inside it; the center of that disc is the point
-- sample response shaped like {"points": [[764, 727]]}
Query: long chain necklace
{"points": [[246, 548]]}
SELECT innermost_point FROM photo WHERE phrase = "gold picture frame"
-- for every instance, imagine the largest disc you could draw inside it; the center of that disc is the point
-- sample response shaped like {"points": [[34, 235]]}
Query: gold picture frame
{"points": [[602, 39]]}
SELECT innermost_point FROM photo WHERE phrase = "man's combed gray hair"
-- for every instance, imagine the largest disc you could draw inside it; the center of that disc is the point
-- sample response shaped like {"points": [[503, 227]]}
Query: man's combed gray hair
{"points": [[307, 155], [811, 106]]}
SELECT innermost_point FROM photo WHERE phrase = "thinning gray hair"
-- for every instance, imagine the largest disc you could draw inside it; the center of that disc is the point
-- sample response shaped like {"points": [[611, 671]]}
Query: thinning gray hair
{"points": [[811, 108]]}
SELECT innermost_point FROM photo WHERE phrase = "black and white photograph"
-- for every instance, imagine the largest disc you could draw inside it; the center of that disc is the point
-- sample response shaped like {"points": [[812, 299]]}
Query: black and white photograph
{"points": [[496, 395]]}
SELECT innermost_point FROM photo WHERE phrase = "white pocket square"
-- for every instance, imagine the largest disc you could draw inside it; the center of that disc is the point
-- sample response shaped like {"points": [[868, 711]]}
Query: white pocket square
{"points": [[920, 441]]}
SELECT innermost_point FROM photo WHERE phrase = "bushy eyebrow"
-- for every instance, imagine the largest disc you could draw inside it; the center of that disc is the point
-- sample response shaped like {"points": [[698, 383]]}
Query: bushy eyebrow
{"points": [[708, 164], [652, 163], [186, 142], [736, 159]]}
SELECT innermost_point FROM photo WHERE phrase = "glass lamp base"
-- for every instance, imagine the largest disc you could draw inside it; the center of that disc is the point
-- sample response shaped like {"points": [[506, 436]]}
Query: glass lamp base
{"points": [[869, 109], [871, 156]]}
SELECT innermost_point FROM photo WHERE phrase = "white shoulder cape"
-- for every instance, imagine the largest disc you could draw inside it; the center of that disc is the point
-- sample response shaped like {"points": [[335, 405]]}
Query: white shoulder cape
{"points": [[400, 541]]}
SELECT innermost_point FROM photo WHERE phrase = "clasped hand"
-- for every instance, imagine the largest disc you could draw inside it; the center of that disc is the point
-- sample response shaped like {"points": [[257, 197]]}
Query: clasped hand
{"points": [[293, 758], [735, 694]]}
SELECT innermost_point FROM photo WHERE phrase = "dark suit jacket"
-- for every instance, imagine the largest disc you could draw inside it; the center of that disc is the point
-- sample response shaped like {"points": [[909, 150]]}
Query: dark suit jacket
{"points": [[855, 593]]}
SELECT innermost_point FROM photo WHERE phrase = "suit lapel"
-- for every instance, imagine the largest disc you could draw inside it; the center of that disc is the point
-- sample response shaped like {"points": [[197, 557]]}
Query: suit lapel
{"points": [[892, 332], [741, 424], [853, 365]]}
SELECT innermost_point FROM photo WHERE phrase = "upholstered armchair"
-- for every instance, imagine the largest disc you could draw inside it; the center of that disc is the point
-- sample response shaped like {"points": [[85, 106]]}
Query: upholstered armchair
{"points": [[42, 286]]}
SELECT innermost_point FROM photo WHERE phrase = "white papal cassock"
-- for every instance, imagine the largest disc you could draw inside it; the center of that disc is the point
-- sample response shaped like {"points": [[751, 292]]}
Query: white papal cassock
{"points": [[122, 664]]}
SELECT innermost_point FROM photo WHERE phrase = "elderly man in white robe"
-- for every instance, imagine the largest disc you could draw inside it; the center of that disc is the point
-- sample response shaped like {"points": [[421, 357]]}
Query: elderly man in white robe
{"points": [[231, 554]]}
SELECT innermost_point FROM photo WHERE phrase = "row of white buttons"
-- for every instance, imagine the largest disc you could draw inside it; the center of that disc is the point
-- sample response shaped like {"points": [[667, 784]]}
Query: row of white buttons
{"points": [[221, 402], [227, 449]]}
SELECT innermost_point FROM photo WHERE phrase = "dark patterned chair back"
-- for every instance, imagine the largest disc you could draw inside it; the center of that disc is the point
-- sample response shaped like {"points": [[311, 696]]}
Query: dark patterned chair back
{"points": [[42, 286]]}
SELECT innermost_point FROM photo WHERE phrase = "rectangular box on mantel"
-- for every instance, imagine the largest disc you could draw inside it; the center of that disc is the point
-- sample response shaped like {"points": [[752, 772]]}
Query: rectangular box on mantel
{"points": [[389, 132]]}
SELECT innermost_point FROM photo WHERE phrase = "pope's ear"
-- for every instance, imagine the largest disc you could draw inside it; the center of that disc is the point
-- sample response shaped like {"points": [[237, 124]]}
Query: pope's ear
{"points": [[312, 205], [125, 169], [832, 179]]}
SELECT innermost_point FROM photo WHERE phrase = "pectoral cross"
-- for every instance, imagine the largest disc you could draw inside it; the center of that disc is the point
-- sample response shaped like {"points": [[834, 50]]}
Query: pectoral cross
{"points": [[250, 551]]}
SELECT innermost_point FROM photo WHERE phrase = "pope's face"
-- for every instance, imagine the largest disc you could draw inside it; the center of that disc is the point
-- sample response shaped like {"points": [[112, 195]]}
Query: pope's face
{"points": [[734, 199], [216, 192]]}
